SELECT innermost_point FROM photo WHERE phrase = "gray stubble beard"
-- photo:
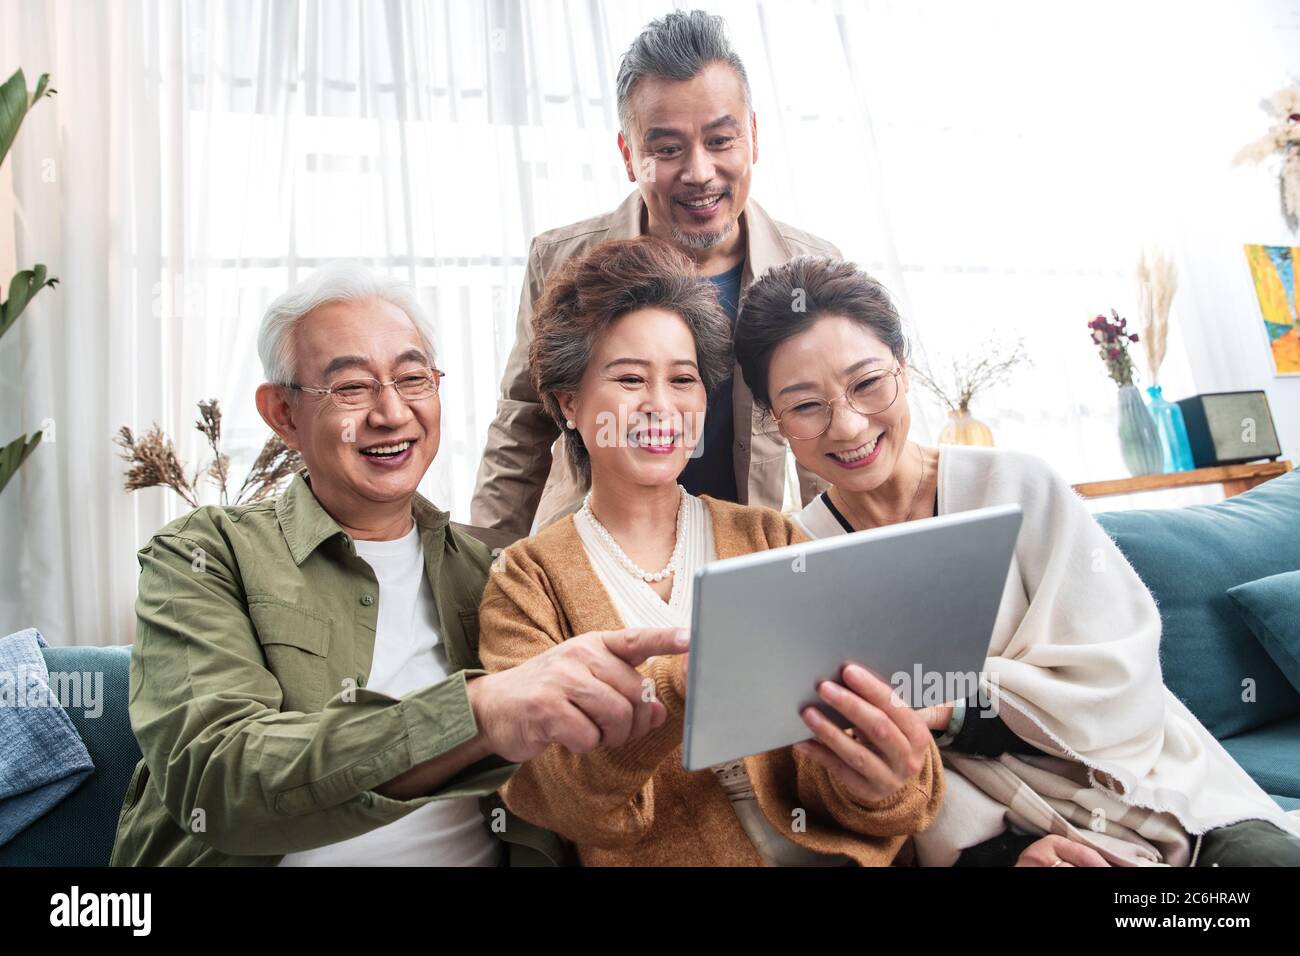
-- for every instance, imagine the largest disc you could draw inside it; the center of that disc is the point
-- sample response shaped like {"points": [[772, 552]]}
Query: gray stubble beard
{"points": [[705, 240]]}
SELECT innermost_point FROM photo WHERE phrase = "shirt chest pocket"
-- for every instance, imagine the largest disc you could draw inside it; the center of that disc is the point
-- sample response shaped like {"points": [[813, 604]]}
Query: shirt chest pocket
{"points": [[296, 645]]}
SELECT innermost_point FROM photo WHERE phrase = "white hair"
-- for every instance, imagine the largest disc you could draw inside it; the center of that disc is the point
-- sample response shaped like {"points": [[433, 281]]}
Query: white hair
{"points": [[339, 281]]}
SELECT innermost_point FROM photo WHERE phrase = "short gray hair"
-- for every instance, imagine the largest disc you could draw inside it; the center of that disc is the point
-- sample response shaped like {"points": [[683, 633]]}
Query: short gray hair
{"points": [[676, 47], [338, 281]]}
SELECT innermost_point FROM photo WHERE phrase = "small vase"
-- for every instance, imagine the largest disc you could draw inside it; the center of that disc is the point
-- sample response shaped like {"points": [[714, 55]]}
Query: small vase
{"points": [[1139, 439], [1173, 432], [962, 429]]}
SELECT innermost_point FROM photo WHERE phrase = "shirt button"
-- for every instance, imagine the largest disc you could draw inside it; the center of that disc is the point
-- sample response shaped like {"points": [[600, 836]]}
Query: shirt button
{"points": [[361, 680], [367, 599]]}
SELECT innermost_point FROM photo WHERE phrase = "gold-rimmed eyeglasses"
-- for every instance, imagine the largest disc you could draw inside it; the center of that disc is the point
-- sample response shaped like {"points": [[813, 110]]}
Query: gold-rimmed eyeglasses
{"points": [[359, 393], [869, 394]]}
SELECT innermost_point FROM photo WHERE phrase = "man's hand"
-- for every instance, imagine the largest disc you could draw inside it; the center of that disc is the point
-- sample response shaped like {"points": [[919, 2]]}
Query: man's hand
{"points": [[1056, 850], [886, 746], [582, 694]]}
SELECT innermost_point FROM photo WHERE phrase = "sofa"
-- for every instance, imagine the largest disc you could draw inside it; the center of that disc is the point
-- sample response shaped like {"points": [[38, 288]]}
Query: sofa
{"points": [[80, 830], [1210, 654], [1188, 557]]}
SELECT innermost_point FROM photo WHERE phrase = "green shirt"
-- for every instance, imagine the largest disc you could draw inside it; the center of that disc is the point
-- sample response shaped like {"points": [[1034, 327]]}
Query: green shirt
{"points": [[255, 636]]}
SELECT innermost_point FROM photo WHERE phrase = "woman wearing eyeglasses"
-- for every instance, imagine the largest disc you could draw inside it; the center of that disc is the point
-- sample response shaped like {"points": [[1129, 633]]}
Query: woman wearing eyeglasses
{"points": [[628, 341], [1077, 755]]}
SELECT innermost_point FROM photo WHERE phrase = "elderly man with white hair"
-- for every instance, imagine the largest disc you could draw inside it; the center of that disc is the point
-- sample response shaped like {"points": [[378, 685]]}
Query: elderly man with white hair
{"points": [[305, 683]]}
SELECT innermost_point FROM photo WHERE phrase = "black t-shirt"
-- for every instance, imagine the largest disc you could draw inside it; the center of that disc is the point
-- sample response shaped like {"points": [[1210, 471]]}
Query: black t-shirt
{"points": [[713, 470]]}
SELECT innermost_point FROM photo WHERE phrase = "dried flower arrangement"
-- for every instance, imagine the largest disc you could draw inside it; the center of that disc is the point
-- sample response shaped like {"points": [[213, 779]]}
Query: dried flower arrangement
{"points": [[972, 374], [154, 463], [1282, 139], [1157, 281], [1113, 337]]}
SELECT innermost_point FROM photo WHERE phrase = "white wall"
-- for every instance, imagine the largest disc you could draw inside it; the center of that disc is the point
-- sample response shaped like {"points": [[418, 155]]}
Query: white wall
{"points": [[1215, 208]]}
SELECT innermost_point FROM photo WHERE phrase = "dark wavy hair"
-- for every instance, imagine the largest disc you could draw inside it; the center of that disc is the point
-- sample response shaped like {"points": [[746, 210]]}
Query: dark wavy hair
{"points": [[791, 297], [589, 293]]}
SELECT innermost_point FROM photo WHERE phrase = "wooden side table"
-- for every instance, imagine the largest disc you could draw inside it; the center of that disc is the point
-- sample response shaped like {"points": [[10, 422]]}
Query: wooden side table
{"points": [[1234, 478]]}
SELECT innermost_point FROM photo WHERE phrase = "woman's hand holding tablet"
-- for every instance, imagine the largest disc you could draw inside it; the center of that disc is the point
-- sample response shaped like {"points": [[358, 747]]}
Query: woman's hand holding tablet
{"points": [[883, 748]]}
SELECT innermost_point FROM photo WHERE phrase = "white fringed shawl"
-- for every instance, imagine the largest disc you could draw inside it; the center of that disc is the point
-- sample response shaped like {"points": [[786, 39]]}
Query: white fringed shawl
{"points": [[1075, 670]]}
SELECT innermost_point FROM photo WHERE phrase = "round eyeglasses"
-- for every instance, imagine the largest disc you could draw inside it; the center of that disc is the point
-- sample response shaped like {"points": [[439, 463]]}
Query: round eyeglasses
{"points": [[361, 393], [869, 394]]}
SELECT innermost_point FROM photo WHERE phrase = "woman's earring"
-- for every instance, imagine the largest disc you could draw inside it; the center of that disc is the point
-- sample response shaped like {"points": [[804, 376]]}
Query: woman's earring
{"points": [[570, 423]]}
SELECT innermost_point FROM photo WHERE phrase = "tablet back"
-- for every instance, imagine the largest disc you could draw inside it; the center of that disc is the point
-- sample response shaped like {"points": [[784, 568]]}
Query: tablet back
{"points": [[915, 602]]}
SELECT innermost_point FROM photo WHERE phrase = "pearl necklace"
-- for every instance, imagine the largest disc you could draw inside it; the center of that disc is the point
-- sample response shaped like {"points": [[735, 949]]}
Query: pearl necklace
{"points": [[679, 545]]}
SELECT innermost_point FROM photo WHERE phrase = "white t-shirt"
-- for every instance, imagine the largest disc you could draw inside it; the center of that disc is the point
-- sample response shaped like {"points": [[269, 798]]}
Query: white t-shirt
{"points": [[408, 657]]}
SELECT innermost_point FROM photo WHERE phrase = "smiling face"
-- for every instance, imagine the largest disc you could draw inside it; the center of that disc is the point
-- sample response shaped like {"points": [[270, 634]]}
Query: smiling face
{"points": [[857, 452], [691, 151], [360, 460], [640, 405]]}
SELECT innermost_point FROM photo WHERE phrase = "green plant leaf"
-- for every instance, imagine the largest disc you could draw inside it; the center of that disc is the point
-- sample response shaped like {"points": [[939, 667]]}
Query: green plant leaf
{"points": [[14, 104], [14, 454], [22, 289], [42, 85]]}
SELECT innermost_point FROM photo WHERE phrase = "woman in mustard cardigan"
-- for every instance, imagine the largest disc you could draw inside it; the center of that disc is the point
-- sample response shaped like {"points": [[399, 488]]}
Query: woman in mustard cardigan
{"points": [[628, 344]]}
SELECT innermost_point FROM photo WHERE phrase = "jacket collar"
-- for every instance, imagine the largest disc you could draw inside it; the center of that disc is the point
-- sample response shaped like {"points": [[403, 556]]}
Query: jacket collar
{"points": [[764, 245], [305, 524]]}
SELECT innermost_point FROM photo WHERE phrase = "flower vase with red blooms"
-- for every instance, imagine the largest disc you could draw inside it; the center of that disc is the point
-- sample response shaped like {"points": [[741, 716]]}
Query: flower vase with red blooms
{"points": [[1139, 437]]}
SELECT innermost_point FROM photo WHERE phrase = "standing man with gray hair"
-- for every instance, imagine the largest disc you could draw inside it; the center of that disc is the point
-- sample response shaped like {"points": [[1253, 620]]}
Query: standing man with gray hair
{"points": [[689, 140]]}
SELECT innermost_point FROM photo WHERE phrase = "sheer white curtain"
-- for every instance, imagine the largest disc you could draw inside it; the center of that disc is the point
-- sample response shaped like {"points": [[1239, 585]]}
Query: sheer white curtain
{"points": [[998, 165], [1022, 146], [434, 140], [1027, 153], [94, 191]]}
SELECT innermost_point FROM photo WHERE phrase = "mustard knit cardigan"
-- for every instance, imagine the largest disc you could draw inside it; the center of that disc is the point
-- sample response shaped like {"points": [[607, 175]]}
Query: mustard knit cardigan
{"points": [[636, 805]]}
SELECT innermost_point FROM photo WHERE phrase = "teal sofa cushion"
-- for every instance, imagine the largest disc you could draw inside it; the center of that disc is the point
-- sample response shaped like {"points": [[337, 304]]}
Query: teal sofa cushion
{"points": [[81, 829], [1189, 558], [1271, 755], [1271, 609]]}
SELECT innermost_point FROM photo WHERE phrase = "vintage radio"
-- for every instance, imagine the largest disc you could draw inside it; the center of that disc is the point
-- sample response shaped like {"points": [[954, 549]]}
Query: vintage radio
{"points": [[1228, 428]]}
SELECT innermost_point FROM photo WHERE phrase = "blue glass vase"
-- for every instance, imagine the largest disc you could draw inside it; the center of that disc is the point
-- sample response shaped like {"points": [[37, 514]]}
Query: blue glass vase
{"points": [[1139, 439], [1173, 432]]}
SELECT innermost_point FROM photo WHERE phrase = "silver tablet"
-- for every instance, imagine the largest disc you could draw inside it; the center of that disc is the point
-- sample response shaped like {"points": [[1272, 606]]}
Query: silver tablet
{"points": [[915, 602]]}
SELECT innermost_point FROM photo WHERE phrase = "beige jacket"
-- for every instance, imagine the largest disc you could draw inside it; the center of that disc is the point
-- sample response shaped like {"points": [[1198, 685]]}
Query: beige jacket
{"points": [[523, 475]]}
